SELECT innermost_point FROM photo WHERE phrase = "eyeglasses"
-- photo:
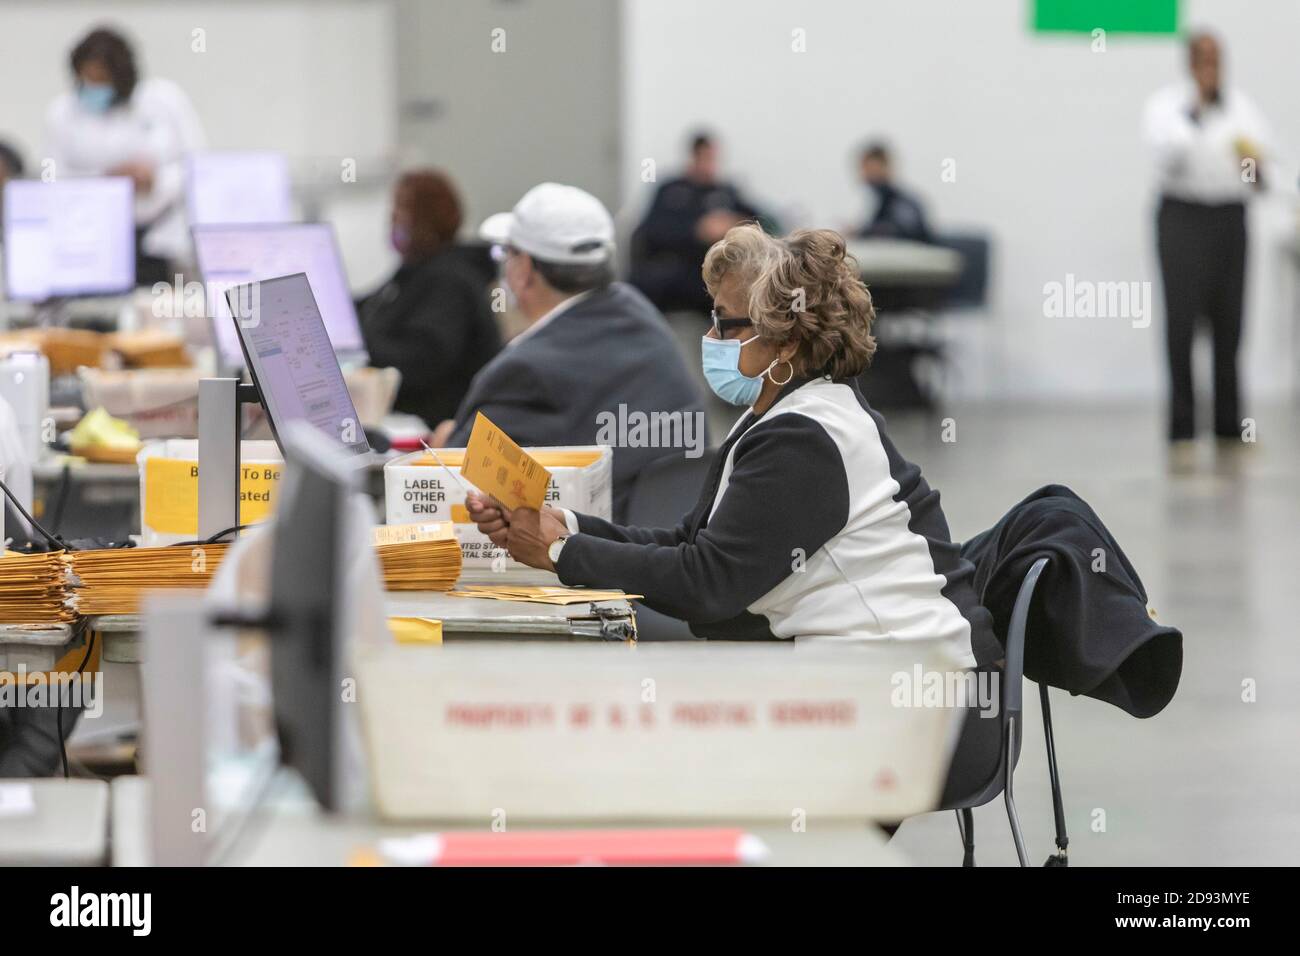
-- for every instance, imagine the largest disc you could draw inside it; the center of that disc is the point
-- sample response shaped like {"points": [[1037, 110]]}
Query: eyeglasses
{"points": [[722, 325], [501, 252]]}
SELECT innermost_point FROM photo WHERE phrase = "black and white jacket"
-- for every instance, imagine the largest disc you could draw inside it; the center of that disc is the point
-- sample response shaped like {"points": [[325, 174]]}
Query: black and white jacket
{"points": [[811, 525]]}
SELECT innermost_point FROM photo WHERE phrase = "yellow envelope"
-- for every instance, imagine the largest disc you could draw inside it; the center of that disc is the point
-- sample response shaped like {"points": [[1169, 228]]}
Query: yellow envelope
{"points": [[499, 467], [415, 630]]}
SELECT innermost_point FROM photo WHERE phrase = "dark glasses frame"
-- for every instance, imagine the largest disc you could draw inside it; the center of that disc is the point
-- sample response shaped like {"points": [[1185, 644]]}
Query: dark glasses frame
{"points": [[722, 325]]}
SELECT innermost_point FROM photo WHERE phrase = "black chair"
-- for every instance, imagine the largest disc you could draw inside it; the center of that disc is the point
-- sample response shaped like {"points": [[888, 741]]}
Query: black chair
{"points": [[665, 490], [985, 759], [971, 288]]}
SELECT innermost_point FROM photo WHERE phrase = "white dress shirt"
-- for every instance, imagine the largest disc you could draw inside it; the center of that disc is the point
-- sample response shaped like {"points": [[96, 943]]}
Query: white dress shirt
{"points": [[1198, 161], [158, 124]]}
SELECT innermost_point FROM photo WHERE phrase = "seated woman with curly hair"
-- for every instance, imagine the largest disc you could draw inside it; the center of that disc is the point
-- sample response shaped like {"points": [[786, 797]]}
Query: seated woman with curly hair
{"points": [[810, 525]]}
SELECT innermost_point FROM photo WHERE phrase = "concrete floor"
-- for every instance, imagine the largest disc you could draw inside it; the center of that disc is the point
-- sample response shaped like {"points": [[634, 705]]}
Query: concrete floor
{"points": [[1212, 779]]}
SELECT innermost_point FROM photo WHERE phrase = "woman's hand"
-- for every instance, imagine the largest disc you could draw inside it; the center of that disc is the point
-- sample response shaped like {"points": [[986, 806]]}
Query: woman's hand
{"points": [[530, 534]]}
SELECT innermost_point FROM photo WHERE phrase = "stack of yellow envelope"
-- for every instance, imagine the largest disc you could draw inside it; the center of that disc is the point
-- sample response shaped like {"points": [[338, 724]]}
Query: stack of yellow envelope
{"points": [[35, 589], [431, 564], [112, 581], [540, 594]]}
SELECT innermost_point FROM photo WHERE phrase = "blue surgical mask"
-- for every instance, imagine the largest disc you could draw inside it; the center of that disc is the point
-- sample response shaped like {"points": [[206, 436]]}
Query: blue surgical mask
{"points": [[401, 240], [720, 359], [96, 97]]}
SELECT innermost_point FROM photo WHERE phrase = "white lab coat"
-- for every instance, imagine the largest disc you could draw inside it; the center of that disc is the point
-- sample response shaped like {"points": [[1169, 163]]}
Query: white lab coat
{"points": [[158, 123]]}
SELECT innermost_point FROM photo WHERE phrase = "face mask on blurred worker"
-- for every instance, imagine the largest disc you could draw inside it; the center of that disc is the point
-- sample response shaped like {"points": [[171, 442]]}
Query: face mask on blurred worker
{"points": [[401, 240], [96, 97], [720, 359]]}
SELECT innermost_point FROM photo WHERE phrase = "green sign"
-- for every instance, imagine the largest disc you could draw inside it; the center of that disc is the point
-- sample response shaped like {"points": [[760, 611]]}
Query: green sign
{"points": [[1113, 16]]}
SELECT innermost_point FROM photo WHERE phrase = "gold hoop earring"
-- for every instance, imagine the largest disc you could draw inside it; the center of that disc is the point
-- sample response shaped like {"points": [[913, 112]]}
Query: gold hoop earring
{"points": [[776, 362]]}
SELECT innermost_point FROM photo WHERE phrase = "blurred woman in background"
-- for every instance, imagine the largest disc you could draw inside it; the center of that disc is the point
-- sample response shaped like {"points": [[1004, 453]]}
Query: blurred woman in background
{"points": [[114, 123], [431, 320]]}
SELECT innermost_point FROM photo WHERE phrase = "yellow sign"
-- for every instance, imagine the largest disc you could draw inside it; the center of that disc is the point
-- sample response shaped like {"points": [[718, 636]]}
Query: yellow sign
{"points": [[171, 503], [502, 469]]}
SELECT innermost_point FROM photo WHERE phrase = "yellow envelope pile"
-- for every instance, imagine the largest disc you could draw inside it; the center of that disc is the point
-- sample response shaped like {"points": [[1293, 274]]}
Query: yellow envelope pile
{"points": [[112, 581], [540, 594], [39, 588], [431, 565], [35, 589]]}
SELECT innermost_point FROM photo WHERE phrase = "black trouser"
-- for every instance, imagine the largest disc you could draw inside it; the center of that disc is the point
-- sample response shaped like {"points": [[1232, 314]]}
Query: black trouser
{"points": [[1203, 267]]}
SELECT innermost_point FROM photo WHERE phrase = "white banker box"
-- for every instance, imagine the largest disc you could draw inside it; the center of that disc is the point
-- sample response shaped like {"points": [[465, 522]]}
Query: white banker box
{"points": [[420, 487], [676, 731]]}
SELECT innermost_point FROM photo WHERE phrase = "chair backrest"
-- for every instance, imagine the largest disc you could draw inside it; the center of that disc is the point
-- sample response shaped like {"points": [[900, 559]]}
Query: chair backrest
{"points": [[971, 288], [979, 765], [667, 488]]}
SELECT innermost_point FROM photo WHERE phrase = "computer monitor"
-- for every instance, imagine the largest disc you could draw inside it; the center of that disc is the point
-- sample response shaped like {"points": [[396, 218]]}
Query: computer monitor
{"points": [[245, 187], [70, 237], [230, 255], [307, 609], [288, 354]]}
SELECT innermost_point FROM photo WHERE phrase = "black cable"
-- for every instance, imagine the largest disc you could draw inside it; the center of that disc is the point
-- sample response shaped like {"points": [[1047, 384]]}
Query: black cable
{"points": [[211, 539], [58, 544], [61, 501], [58, 707]]}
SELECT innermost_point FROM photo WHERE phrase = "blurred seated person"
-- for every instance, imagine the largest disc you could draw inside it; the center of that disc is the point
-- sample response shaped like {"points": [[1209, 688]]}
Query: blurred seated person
{"points": [[686, 217], [11, 163], [11, 167], [593, 348], [431, 320], [897, 214]]}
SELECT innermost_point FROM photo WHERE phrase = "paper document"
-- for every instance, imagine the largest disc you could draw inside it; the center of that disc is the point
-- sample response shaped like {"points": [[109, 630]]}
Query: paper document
{"points": [[502, 469], [540, 595]]}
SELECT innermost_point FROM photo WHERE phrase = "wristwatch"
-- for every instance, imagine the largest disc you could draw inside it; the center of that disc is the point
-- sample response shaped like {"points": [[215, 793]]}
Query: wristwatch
{"points": [[553, 552]]}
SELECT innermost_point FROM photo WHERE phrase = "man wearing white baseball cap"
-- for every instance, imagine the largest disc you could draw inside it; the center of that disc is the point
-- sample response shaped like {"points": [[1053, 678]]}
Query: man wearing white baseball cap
{"points": [[593, 347]]}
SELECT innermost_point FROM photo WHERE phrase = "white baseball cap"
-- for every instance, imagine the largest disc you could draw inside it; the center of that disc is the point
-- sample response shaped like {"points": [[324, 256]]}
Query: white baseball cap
{"points": [[555, 223]]}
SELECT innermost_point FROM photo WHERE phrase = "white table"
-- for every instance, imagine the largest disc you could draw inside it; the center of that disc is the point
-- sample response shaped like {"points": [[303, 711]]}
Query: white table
{"points": [[67, 827], [905, 262]]}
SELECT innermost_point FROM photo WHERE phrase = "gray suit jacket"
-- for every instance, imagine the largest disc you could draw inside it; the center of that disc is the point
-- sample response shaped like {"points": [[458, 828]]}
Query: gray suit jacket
{"points": [[565, 381]]}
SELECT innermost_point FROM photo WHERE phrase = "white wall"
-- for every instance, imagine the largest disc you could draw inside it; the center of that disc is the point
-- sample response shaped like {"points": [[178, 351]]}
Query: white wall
{"points": [[315, 79], [1045, 134]]}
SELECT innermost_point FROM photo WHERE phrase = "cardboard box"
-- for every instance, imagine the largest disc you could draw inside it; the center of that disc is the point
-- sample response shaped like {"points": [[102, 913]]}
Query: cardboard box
{"points": [[419, 489], [169, 487], [158, 403]]}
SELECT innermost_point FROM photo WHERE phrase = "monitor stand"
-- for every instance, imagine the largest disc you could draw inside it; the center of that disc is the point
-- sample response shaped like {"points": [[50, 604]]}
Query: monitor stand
{"points": [[220, 403]]}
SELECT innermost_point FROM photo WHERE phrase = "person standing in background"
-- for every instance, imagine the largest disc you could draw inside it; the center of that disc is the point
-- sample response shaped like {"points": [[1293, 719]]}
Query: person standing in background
{"points": [[113, 123], [430, 320], [1207, 144], [687, 215]]}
